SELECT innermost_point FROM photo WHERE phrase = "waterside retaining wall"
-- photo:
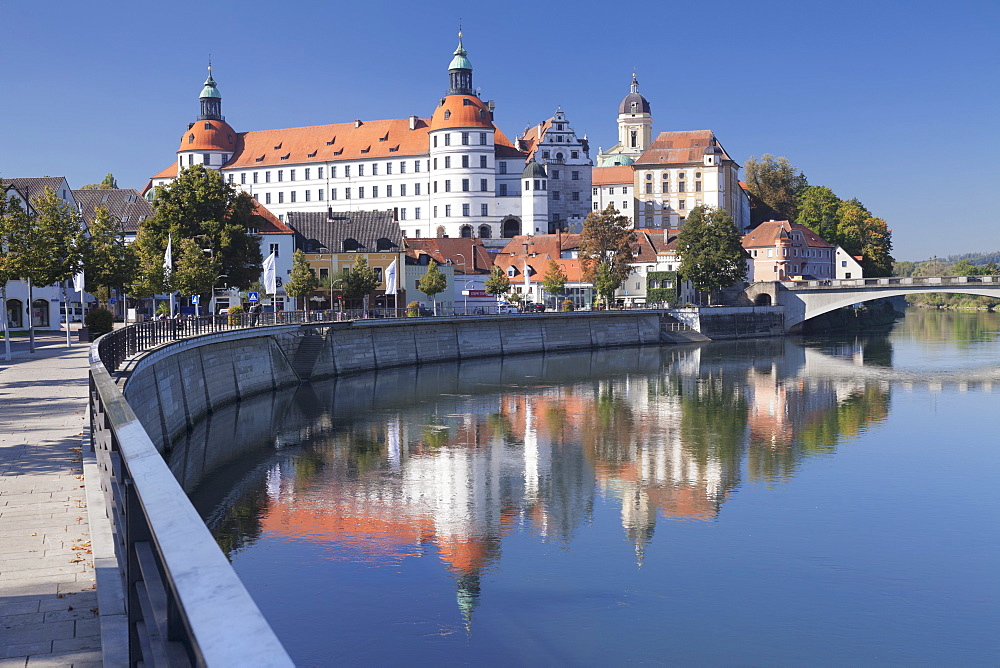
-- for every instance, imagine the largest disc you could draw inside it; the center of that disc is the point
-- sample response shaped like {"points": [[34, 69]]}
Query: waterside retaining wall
{"points": [[172, 388]]}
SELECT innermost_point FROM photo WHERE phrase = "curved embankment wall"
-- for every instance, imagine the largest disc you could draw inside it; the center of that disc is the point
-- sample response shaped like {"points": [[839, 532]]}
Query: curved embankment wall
{"points": [[172, 388]]}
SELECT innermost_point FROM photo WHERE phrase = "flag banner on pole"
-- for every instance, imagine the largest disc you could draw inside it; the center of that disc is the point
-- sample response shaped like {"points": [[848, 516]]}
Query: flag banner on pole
{"points": [[270, 277], [78, 282], [168, 263], [390, 279]]}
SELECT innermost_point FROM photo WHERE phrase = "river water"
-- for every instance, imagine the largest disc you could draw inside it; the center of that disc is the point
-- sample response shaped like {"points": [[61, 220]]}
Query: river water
{"points": [[777, 501]]}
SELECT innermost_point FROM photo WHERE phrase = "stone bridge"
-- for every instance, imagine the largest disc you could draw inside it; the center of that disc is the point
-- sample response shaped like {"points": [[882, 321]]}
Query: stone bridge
{"points": [[803, 300]]}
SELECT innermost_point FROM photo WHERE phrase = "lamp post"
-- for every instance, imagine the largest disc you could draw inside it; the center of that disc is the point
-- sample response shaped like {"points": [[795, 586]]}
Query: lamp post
{"points": [[465, 272]]}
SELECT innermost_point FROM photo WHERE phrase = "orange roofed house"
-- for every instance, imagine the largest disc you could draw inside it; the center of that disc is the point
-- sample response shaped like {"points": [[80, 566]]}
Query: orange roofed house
{"points": [[780, 250], [454, 174]]}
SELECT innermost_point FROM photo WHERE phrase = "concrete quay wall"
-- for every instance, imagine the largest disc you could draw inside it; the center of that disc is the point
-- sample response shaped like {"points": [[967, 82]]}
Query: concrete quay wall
{"points": [[172, 388]]}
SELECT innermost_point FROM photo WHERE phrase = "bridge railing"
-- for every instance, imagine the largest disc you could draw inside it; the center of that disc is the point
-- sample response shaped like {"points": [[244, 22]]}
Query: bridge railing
{"points": [[183, 602], [889, 281]]}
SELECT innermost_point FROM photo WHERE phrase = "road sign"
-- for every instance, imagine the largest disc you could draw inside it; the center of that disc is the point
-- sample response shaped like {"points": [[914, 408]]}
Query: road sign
{"points": [[112, 301], [253, 296], [195, 299]]}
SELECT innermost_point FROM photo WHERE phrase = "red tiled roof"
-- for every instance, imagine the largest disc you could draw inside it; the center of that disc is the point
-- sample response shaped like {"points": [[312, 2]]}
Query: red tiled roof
{"points": [[612, 176], [767, 234], [168, 173], [325, 143], [686, 146], [461, 111], [209, 136], [461, 251], [533, 137], [270, 223]]}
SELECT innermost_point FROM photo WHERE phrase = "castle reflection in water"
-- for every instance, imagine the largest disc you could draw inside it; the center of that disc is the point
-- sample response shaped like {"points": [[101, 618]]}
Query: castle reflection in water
{"points": [[449, 459]]}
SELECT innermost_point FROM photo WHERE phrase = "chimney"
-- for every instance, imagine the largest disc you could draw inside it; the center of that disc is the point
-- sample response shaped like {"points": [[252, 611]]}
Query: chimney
{"points": [[559, 241], [357, 123], [413, 122]]}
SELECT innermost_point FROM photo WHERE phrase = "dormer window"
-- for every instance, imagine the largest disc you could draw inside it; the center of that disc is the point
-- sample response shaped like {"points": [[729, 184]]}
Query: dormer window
{"points": [[208, 126], [511, 272], [191, 139], [447, 114]]}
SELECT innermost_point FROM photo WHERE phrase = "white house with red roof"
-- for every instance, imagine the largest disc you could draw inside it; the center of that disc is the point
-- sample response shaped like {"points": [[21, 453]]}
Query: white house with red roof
{"points": [[454, 174]]}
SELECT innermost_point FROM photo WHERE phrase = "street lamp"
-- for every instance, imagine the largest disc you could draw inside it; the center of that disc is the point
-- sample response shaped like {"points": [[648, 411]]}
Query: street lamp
{"points": [[465, 272]]}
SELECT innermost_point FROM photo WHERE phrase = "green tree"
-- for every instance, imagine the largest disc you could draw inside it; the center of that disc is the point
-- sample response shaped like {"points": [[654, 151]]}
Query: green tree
{"points": [[109, 183], [554, 279], [817, 210], [775, 182], [605, 283], [107, 263], [861, 233], [13, 227], [607, 239], [303, 279], [498, 283], [903, 268], [54, 243], [195, 271], [199, 204], [432, 283], [710, 249], [360, 280]]}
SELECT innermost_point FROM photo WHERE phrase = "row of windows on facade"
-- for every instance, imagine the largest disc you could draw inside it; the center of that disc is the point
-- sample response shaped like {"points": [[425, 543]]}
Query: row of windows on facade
{"points": [[573, 155], [254, 177], [466, 139], [361, 191], [666, 176], [484, 210], [681, 187], [807, 252]]}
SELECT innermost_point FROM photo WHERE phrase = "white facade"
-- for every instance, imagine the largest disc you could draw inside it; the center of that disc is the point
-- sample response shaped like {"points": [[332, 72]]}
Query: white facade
{"points": [[846, 266]]}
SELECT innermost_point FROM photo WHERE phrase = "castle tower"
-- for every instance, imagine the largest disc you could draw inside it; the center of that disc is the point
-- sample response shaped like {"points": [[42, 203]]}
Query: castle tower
{"points": [[534, 199], [462, 157], [209, 141]]}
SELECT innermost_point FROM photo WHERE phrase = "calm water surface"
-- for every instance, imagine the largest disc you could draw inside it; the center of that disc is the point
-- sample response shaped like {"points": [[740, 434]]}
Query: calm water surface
{"points": [[821, 501]]}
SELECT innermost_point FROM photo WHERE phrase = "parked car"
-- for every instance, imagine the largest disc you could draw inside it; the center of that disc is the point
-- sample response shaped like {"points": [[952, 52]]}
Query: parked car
{"points": [[504, 307]]}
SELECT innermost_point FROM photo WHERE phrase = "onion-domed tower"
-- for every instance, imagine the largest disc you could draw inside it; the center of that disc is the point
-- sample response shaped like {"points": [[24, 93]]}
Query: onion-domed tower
{"points": [[209, 140], [462, 156], [534, 199], [635, 121]]}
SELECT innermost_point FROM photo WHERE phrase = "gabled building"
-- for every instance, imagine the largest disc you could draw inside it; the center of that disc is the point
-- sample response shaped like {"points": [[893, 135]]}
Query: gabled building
{"points": [[470, 262], [553, 144], [615, 186], [125, 205], [525, 260], [682, 170], [780, 250], [332, 242]]}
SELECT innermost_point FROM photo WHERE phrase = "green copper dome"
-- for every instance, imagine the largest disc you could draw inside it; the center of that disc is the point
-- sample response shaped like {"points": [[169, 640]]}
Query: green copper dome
{"points": [[460, 61], [210, 89]]}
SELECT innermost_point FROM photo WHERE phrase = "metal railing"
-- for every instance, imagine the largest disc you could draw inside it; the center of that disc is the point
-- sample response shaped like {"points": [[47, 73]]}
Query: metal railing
{"points": [[184, 603], [889, 281]]}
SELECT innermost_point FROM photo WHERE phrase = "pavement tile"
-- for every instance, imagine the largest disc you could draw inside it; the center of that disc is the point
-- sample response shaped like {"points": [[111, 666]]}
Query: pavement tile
{"points": [[64, 659], [20, 635], [13, 662], [18, 607], [78, 643], [85, 600]]}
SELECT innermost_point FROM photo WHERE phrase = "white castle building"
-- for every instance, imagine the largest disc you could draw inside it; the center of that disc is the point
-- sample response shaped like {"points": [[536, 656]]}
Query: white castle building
{"points": [[453, 174]]}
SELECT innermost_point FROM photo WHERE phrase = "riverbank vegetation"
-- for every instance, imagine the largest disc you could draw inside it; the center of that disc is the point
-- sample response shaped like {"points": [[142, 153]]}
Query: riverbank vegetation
{"points": [[968, 264]]}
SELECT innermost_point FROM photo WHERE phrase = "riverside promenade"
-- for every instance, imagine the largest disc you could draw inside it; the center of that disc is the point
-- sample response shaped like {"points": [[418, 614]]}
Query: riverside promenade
{"points": [[48, 602]]}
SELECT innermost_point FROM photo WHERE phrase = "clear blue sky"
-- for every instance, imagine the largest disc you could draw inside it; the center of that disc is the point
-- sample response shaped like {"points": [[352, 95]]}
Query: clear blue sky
{"points": [[895, 103]]}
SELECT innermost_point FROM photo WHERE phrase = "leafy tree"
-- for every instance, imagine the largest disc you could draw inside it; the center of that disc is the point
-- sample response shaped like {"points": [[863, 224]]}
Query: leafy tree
{"points": [[775, 182], [498, 283], [903, 268], [195, 271], [607, 239], [303, 279], [710, 249], [360, 280], [605, 283], [817, 210], [200, 204], [54, 242], [554, 280], [861, 233], [13, 226], [432, 282], [107, 263], [109, 183]]}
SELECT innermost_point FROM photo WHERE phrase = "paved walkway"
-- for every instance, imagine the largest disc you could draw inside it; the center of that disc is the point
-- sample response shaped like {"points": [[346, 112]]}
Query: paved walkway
{"points": [[48, 602]]}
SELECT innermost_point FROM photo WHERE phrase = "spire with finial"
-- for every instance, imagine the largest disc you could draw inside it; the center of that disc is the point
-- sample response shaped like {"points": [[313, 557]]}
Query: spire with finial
{"points": [[211, 98], [460, 71]]}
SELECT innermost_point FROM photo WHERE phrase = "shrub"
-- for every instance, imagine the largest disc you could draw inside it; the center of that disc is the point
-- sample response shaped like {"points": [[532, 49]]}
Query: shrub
{"points": [[99, 321], [413, 309], [567, 305], [235, 315]]}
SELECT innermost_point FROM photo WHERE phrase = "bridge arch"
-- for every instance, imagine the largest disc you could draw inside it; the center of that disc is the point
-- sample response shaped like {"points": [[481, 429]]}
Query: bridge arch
{"points": [[804, 300]]}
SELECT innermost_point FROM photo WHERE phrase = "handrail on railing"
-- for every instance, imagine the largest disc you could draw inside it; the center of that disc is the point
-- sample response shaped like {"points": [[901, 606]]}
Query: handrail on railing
{"points": [[184, 603]]}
